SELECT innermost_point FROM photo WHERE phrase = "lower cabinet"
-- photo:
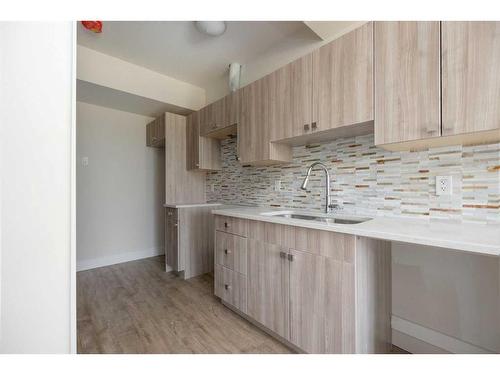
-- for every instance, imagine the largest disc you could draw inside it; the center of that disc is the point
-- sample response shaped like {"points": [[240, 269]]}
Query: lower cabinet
{"points": [[268, 286], [321, 296], [189, 241], [231, 287], [318, 291], [172, 258]]}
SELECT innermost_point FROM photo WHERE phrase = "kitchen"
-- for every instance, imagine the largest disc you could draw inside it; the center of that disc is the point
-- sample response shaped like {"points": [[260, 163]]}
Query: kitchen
{"points": [[251, 187], [401, 178]]}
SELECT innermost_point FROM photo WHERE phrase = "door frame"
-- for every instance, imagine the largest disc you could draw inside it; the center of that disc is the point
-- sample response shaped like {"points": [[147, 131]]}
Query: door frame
{"points": [[73, 329]]}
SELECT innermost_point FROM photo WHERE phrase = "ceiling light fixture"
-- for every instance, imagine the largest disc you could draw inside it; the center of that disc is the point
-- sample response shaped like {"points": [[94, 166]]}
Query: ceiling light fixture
{"points": [[212, 28]]}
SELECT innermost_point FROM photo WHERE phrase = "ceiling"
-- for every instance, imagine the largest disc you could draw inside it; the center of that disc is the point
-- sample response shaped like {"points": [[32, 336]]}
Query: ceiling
{"points": [[177, 49], [91, 93]]}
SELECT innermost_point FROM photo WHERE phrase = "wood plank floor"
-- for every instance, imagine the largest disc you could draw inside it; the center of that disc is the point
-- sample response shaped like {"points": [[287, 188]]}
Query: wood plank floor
{"points": [[136, 307]]}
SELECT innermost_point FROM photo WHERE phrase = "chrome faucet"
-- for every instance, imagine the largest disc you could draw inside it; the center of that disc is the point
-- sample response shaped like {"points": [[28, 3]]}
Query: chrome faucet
{"points": [[328, 205]]}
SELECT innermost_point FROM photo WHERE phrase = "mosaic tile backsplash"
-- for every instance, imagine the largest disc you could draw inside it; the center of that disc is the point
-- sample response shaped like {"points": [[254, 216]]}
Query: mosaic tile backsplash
{"points": [[369, 181]]}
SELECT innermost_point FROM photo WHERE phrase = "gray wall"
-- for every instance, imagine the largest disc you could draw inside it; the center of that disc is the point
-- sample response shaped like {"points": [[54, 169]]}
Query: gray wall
{"points": [[120, 193], [445, 295]]}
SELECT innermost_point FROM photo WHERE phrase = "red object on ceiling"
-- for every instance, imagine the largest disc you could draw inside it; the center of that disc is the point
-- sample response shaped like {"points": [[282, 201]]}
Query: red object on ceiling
{"points": [[95, 26]]}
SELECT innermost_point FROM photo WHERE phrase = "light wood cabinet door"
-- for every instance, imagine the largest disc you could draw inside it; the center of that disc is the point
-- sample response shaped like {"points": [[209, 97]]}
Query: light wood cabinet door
{"points": [[196, 240], [231, 287], [231, 109], [343, 80], [219, 119], [291, 99], [322, 297], [202, 153], [172, 254], [267, 286], [253, 133], [181, 186], [254, 127], [155, 133], [231, 251], [218, 114], [206, 118], [231, 225], [471, 77], [407, 81], [192, 141]]}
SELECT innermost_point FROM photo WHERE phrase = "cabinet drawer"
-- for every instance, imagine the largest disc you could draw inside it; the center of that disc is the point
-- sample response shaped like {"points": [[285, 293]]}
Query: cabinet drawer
{"points": [[231, 251], [231, 287], [328, 244], [231, 225]]}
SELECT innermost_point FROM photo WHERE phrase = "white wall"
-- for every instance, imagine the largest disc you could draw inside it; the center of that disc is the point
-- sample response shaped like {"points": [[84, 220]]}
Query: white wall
{"points": [[450, 300], [120, 193], [35, 144]]}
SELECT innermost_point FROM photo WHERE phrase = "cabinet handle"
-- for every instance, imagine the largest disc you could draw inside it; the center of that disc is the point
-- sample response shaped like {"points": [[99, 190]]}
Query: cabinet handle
{"points": [[306, 127], [175, 225], [226, 251], [197, 165], [227, 286], [282, 255], [226, 225], [314, 126], [290, 257]]}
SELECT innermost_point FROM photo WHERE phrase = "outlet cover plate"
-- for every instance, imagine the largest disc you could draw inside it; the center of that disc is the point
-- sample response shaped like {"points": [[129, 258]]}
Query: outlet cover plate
{"points": [[444, 185]]}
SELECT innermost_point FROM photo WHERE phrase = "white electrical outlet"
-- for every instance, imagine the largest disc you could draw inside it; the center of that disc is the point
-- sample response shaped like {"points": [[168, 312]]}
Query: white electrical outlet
{"points": [[212, 188], [444, 185], [85, 161], [277, 185]]}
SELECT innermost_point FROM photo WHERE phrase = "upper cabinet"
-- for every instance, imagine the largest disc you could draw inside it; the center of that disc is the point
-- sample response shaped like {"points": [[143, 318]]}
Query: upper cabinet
{"points": [[202, 153], [326, 94], [291, 103], [343, 81], [219, 119], [471, 77], [155, 132], [436, 84], [407, 81], [255, 123], [181, 185], [414, 84]]}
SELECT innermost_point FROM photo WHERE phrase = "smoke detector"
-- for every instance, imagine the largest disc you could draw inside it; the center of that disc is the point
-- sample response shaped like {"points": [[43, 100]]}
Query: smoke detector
{"points": [[212, 28]]}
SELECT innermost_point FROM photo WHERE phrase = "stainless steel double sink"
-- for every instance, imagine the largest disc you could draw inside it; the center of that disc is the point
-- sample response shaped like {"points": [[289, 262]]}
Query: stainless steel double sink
{"points": [[317, 217]]}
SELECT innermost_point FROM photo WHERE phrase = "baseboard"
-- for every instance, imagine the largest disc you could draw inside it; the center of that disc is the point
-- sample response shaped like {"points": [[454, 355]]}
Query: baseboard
{"points": [[418, 339], [118, 258]]}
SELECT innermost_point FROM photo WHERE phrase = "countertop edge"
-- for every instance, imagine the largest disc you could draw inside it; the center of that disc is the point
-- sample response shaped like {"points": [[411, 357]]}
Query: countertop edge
{"points": [[363, 232], [187, 205]]}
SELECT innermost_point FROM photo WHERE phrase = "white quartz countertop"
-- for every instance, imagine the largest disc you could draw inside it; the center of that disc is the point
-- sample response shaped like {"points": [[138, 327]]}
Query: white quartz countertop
{"points": [[185, 205], [470, 237]]}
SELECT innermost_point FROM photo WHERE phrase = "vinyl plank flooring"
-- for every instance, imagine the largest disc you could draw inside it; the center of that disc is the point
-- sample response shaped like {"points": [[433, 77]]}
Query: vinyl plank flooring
{"points": [[136, 307]]}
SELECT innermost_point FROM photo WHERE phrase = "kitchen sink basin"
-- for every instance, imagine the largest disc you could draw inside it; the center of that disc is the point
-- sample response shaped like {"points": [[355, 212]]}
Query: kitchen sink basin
{"points": [[323, 219]]}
